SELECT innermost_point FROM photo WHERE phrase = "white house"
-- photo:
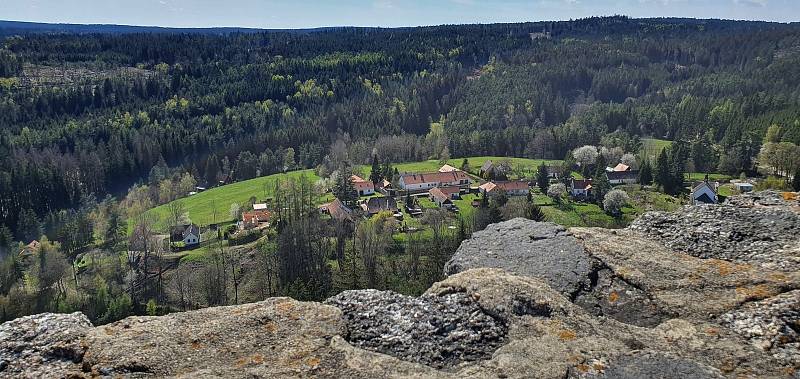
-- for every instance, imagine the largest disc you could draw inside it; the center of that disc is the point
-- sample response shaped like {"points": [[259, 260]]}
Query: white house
{"points": [[580, 187], [512, 188], [189, 235], [364, 187], [704, 193], [425, 182], [743, 187]]}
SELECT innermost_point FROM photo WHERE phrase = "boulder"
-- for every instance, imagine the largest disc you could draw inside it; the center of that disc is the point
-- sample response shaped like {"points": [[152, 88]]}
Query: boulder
{"points": [[37, 346]]}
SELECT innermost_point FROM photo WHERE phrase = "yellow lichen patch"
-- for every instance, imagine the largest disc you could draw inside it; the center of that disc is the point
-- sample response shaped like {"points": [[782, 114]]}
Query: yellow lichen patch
{"points": [[313, 361], [613, 297], [197, 345], [712, 331], [779, 277], [271, 327], [583, 368], [255, 359], [756, 292], [284, 307], [567, 335]]}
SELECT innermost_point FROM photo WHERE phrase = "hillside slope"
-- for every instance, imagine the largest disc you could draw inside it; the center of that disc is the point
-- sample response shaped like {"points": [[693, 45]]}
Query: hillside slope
{"points": [[633, 306]]}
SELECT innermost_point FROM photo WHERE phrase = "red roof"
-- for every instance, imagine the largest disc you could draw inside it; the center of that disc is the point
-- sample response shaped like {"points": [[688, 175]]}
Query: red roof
{"points": [[581, 184], [255, 217], [438, 194], [360, 184], [435, 177], [514, 185]]}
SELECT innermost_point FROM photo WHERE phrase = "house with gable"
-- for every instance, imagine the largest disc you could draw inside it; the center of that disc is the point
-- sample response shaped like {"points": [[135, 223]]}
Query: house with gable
{"points": [[511, 187], [580, 188], [363, 187], [187, 235], [425, 182], [704, 193]]}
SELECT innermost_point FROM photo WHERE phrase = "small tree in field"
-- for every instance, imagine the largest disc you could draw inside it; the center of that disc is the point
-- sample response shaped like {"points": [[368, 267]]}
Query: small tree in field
{"points": [[557, 192], [614, 201]]}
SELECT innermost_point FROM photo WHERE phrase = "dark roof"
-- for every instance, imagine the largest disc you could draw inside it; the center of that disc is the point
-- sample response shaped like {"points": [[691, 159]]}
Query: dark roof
{"points": [[338, 210], [581, 183], [704, 199], [488, 165], [180, 232], [622, 175], [379, 204]]}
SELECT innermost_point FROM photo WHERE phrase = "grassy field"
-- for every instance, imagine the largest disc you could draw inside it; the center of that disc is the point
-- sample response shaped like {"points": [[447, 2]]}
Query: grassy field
{"points": [[652, 147], [214, 205], [202, 206]]}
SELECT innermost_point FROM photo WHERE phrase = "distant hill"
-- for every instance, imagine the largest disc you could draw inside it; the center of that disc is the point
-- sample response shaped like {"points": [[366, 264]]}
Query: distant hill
{"points": [[20, 27]]}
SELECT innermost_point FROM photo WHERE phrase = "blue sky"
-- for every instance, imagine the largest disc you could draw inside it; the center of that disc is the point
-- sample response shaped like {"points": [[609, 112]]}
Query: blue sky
{"points": [[314, 13]]}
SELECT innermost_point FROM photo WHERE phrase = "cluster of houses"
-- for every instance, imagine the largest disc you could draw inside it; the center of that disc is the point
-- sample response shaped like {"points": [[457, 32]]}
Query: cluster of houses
{"points": [[619, 174]]}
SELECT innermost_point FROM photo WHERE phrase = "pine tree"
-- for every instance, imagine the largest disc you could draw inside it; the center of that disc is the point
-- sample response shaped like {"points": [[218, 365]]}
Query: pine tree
{"points": [[343, 189], [646, 173], [543, 178], [662, 172], [533, 212], [796, 180], [375, 175]]}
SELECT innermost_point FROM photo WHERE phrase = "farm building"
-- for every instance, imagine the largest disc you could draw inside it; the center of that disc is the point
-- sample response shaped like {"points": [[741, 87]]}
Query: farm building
{"points": [[425, 182]]}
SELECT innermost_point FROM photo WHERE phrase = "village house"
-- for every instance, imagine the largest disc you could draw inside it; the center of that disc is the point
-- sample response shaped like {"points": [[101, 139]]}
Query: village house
{"points": [[512, 188], [554, 170], [376, 205], [704, 193], [254, 219], [440, 198], [337, 210], [580, 188], [363, 187], [622, 177], [743, 187], [424, 182], [188, 235], [489, 170]]}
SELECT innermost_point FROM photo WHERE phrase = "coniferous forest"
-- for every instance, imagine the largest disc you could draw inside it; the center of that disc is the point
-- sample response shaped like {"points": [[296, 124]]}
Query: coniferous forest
{"points": [[88, 118]]}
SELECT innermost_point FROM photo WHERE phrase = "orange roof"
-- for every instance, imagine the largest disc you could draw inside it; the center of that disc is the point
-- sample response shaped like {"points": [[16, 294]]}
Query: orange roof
{"points": [[438, 194], [360, 184], [254, 217], [621, 167], [513, 185], [434, 177]]}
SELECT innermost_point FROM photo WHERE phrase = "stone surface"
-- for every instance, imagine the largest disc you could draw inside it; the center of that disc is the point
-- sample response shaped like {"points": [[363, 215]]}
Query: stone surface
{"points": [[439, 331], [36, 346], [758, 228], [546, 250], [624, 304], [772, 325]]}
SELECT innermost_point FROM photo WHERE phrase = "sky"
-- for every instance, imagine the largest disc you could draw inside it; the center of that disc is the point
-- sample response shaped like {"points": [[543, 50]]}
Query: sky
{"points": [[385, 13]]}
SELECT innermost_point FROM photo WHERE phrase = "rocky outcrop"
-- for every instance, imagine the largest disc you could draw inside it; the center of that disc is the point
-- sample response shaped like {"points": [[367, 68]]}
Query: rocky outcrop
{"points": [[524, 299], [758, 229], [36, 346], [439, 331]]}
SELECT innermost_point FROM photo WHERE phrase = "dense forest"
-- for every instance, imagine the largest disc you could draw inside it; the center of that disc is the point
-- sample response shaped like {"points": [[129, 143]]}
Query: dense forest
{"points": [[87, 118]]}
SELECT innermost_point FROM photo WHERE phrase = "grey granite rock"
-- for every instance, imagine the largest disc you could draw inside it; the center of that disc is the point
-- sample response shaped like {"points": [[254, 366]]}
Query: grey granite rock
{"points": [[528, 248], [438, 331], [39, 345]]}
